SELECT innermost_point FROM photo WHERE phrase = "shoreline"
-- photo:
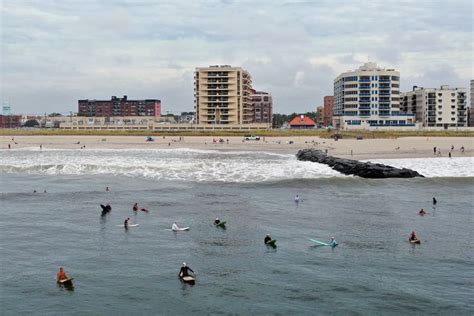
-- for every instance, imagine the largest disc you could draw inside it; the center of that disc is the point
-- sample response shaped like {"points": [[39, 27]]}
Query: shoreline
{"points": [[402, 147]]}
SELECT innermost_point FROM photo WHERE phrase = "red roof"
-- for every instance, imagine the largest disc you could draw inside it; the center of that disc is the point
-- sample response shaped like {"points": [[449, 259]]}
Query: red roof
{"points": [[302, 120]]}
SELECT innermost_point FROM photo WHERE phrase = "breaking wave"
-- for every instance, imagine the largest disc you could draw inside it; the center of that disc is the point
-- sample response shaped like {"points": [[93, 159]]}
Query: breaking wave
{"points": [[201, 165]]}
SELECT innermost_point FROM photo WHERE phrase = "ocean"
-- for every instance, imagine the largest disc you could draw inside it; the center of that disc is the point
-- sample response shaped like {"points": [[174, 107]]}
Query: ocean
{"points": [[374, 270]]}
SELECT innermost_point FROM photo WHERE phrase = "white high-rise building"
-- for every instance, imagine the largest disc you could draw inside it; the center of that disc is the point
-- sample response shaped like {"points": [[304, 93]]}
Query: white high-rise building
{"points": [[444, 107], [369, 96]]}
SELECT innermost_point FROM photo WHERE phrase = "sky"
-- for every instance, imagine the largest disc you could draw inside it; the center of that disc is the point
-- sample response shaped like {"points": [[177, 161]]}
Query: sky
{"points": [[54, 52]]}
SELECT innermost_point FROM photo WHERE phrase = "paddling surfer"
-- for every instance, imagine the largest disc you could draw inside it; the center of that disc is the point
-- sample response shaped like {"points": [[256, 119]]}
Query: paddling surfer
{"points": [[61, 275], [267, 239], [413, 236], [184, 271]]}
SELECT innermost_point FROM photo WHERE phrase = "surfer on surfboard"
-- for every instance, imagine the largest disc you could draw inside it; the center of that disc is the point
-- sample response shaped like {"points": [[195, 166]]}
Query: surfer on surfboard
{"points": [[217, 221], [61, 275], [184, 271], [297, 198], [136, 208], [413, 236], [267, 239]]}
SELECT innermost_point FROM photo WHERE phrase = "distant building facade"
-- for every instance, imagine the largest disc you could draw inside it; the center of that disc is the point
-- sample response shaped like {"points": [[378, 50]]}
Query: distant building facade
{"points": [[328, 110], [302, 122], [262, 107], [119, 107], [444, 107], [10, 121], [222, 95], [369, 96], [320, 115], [471, 108]]}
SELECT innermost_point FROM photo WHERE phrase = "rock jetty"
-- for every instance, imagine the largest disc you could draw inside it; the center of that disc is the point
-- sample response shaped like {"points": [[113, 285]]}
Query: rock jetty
{"points": [[355, 167]]}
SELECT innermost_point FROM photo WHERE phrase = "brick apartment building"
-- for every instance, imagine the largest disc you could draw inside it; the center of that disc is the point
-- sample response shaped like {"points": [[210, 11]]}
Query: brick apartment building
{"points": [[328, 110], [119, 107], [10, 121], [262, 107]]}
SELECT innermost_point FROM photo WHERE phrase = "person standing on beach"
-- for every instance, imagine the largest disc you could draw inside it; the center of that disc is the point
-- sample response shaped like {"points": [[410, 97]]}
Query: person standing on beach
{"points": [[9, 146], [434, 150], [41, 147], [449, 154]]}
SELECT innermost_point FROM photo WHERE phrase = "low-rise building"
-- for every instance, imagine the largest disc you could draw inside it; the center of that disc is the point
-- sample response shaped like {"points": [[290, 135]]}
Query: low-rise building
{"points": [[302, 122], [119, 107], [444, 107], [10, 121]]}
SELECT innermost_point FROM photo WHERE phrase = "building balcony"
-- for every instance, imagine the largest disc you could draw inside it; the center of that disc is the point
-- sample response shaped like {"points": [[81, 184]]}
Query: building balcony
{"points": [[364, 107], [364, 113]]}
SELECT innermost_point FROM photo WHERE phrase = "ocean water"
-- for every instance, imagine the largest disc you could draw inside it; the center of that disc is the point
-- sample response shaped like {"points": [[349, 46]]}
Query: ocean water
{"points": [[374, 270]]}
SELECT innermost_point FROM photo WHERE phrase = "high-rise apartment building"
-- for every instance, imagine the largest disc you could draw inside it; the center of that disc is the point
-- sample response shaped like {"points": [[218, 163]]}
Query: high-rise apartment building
{"points": [[119, 107], [444, 107], [262, 107], [328, 110], [223, 95], [369, 96]]}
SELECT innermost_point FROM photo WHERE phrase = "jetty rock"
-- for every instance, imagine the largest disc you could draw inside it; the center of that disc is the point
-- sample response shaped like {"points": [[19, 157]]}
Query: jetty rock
{"points": [[355, 167]]}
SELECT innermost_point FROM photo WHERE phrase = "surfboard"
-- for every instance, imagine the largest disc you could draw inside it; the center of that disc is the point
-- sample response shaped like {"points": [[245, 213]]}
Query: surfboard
{"points": [[319, 242], [416, 241], [221, 224], [129, 225], [66, 281], [180, 229], [272, 243], [188, 279]]}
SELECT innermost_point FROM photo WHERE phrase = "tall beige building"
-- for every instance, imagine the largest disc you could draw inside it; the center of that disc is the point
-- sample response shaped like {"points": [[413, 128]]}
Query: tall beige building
{"points": [[222, 95]]}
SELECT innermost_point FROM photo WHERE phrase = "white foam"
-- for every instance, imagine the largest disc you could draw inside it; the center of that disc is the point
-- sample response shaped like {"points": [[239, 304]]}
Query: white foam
{"points": [[202, 165]]}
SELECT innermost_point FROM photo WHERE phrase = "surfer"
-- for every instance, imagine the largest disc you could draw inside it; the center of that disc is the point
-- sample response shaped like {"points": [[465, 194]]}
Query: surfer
{"points": [[297, 198], [267, 239], [106, 209], [413, 236], [174, 227], [125, 223], [61, 275], [107, 189], [421, 212], [135, 207], [434, 201], [217, 221], [333, 242], [184, 271]]}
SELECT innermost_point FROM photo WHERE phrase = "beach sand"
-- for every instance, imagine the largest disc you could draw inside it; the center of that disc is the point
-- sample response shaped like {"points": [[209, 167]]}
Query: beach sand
{"points": [[404, 147]]}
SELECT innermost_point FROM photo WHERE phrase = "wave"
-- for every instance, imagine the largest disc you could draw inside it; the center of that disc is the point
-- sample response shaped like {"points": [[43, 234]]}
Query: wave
{"points": [[202, 165]]}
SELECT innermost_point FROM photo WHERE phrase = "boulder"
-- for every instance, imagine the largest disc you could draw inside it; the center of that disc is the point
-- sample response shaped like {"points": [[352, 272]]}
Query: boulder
{"points": [[355, 167]]}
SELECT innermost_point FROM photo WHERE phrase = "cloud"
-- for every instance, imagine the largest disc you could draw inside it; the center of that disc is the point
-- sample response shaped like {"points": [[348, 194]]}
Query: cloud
{"points": [[56, 52]]}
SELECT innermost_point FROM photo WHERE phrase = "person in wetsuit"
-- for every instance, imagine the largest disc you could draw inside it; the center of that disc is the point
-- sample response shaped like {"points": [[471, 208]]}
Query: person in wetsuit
{"points": [[267, 239], [135, 207], [125, 223], [106, 209], [184, 271], [421, 212], [413, 236], [434, 201], [217, 221]]}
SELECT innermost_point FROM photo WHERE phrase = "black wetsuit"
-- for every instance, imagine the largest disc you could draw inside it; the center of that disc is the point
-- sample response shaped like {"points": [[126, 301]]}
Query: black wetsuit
{"points": [[267, 239], [185, 271], [434, 201], [217, 222], [105, 209]]}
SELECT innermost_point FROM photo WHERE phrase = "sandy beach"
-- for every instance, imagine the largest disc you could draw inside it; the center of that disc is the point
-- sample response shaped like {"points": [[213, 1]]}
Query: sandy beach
{"points": [[404, 147]]}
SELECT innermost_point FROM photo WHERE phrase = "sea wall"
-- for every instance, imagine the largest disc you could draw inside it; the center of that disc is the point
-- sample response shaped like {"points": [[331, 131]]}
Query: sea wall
{"points": [[355, 167]]}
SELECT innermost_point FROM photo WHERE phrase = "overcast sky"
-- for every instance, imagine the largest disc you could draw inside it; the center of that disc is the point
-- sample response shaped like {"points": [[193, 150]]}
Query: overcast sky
{"points": [[54, 52]]}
